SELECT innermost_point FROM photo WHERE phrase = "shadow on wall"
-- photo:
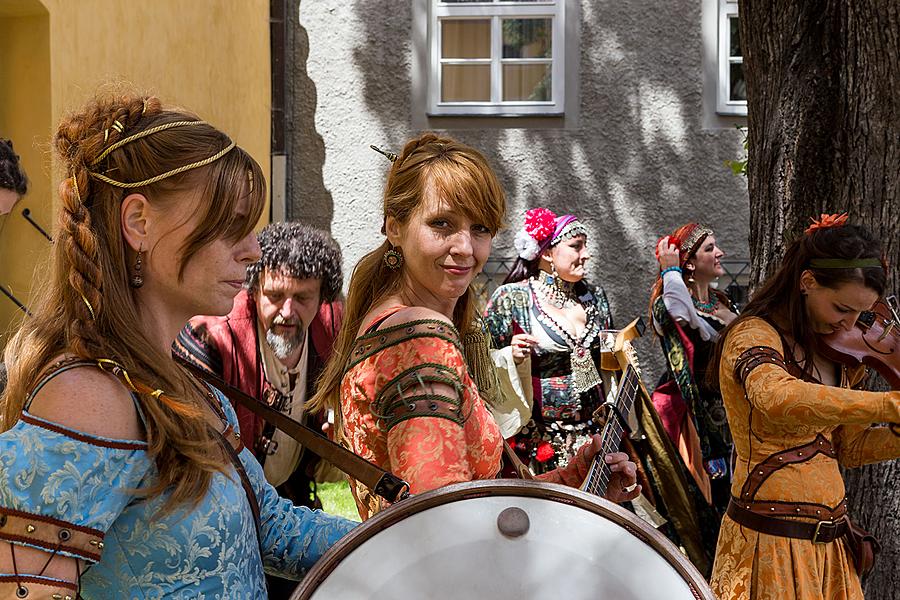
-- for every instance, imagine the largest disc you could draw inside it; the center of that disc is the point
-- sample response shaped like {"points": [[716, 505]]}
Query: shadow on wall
{"points": [[638, 164], [306, 185]]}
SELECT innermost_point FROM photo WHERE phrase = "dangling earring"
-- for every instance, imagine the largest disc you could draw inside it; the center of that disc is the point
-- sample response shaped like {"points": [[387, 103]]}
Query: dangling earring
{"points": [[690, 278], [393, 260], [137, 280]]}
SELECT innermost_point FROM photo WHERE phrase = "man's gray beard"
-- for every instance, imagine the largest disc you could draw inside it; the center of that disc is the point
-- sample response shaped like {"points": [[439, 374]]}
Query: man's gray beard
{"points": [[284, 346]]}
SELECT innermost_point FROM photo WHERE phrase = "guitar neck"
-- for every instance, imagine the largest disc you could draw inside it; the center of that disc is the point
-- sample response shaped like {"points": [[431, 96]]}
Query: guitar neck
{"points": [[613, 432]]}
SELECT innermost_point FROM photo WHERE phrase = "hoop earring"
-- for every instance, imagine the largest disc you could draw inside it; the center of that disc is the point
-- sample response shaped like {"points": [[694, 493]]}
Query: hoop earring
{"points": [[393, 259], [137, 279]]}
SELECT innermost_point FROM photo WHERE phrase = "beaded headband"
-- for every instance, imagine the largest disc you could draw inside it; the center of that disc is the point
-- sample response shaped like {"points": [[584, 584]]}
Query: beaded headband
{"points": [[572, 229], [697, 235]]}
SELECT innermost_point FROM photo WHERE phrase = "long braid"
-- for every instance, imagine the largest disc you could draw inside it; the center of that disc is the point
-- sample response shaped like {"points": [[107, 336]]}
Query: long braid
{"points": [[79, 240]]}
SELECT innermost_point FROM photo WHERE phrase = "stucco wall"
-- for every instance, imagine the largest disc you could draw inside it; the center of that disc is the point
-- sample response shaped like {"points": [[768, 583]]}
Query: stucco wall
{"points": [[638, 161], [211, 56]]}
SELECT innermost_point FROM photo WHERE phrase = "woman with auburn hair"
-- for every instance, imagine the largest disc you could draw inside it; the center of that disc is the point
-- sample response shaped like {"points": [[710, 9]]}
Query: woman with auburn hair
{"points": [[411, 372], [687, 313], [123, 476], [796, 421]]}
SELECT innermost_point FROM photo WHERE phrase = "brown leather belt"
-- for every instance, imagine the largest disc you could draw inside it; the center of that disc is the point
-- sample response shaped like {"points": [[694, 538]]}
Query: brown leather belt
{"points": [[822, 532]]}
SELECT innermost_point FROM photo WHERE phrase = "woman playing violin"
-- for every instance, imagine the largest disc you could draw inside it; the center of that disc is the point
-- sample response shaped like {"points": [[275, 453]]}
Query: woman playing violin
{"points": [[795, 420]]}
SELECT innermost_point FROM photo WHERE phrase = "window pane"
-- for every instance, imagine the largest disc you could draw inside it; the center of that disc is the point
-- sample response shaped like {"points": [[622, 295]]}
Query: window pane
{"points": [[466, 83], [466, 38], [527, 38], [527, 82], [734, 48], [738, 89]]}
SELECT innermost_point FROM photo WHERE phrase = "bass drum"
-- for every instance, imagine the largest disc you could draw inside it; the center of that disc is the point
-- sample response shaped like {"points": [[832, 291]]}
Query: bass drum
{"points": [[504, 540]]}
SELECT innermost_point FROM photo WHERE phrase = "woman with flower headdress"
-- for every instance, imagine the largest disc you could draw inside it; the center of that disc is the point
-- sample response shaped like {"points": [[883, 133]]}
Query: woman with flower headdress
{"points": [[410, 378], [687, 313], [122, 476], [549, 323], [796, 419]]}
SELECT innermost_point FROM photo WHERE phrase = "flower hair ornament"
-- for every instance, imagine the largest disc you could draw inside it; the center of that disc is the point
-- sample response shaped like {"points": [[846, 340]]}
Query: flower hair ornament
{"points": [[538, 227], [542, 229], [826, 221]]}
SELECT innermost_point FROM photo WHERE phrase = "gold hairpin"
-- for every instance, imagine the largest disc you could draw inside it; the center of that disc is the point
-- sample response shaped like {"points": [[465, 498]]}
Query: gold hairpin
{"points": [[144, 109], [390, 155], [88, 304], [117, 125], [77, 197], [144, 133]]}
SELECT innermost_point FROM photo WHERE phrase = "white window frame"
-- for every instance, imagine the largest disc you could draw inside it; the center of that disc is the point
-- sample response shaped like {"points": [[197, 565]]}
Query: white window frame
{"points": [[724, 104], [552, 9]]}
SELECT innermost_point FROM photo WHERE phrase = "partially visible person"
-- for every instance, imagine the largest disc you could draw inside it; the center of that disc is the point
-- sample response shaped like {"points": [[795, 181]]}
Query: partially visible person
{"points": [[123, 476], [796, 421], [274, 344], [411, 373], [687, 313], [13, 182], [548, 317]]}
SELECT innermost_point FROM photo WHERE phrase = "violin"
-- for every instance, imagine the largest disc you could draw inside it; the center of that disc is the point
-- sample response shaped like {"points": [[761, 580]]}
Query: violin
{"points": [[874, 341]]}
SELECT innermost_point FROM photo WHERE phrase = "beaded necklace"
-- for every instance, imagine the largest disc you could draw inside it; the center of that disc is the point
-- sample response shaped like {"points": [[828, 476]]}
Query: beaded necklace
{"points": [[706, 307], [584, 370], [557, 291]]}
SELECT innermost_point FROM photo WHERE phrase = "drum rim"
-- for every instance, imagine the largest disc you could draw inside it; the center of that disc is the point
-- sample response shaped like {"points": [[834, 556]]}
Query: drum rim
{"points": [[510, 487]]}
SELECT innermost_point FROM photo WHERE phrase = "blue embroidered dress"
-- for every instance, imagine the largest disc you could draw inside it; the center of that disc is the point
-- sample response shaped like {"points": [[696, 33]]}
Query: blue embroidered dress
{"points": [[63, 489]]}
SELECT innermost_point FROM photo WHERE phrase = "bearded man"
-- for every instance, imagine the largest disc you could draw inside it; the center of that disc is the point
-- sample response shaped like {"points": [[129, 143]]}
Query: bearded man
{"points": [[274, 343]]}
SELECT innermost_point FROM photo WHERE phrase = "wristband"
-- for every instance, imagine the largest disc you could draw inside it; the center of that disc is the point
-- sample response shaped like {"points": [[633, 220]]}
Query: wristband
{"points": [[668, 269]]}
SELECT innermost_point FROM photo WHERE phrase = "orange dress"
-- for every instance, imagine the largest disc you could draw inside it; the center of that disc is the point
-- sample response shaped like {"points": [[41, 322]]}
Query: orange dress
{"points": [[394, 417], [773, 413]]}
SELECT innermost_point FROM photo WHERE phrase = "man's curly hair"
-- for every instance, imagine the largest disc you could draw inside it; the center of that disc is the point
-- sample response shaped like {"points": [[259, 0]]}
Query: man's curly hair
{"points": [[298, 251], [11, 175]]}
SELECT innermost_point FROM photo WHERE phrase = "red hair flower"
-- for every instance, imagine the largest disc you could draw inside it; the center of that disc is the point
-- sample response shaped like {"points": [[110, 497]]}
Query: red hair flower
{"points": [[539, 223], [544, 450], [826, 222]]}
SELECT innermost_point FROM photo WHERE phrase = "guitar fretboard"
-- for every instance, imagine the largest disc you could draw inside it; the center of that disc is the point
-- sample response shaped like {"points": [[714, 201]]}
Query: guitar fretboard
{"points": [[599, 474]]}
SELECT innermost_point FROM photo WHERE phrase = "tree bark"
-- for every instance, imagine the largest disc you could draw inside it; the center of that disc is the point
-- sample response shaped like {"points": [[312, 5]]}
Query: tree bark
{"points": [[823, 92]]}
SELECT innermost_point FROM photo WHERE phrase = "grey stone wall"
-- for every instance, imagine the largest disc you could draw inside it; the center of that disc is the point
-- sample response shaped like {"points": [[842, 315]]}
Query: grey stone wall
{"points": [[633, 158]]}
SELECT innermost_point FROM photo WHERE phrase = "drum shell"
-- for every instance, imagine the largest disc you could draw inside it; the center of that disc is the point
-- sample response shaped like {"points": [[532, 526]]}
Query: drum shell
{"points": [[446, 544]]}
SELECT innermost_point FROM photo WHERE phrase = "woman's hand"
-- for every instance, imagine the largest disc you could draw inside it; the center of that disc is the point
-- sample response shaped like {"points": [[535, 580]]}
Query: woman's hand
{"points": [[667, 254], [521, 345]]}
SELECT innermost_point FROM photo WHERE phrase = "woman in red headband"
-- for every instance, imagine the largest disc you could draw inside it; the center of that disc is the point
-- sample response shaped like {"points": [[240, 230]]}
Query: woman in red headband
{"points": [[687, 313], [549, 323], [796, 420]]}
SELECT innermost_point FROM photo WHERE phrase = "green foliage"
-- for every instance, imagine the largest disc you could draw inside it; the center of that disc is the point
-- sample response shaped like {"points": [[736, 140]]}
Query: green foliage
{"points": [[739, 167], [337, 499]]}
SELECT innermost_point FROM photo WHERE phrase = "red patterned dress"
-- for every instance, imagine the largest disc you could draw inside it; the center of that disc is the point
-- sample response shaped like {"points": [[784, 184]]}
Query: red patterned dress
{"points": [[410, 406]]}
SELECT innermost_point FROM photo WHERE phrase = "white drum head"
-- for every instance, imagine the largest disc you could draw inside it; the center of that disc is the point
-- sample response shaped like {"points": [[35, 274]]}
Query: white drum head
{"points": [[449, 544]]}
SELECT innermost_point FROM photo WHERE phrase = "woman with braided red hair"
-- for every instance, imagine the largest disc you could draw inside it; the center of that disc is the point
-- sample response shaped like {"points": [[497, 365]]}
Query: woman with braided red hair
{"points": [[796, 420], [687, 312], [122, 477]]}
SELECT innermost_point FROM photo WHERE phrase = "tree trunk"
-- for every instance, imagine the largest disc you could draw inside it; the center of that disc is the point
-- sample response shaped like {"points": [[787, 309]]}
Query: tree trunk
{"points": [[823, 91]]}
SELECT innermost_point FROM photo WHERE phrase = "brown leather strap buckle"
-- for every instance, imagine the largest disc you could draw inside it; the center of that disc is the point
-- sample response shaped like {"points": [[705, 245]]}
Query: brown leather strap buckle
{"points": [[827, 531], [267, 446]]}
